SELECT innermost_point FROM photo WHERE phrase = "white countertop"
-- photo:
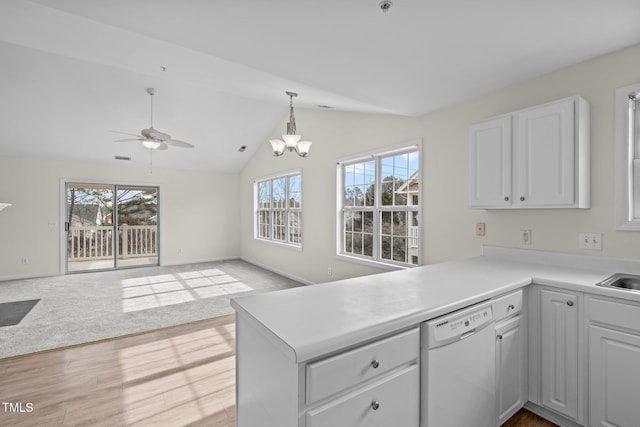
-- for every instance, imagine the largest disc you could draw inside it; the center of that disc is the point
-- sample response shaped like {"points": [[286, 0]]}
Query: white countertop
{"points": [[312, 321]]}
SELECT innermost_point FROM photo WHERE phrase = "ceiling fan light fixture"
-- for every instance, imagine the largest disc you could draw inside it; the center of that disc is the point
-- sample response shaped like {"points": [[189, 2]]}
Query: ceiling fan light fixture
{"points": [[150, 144], [290, 141]]}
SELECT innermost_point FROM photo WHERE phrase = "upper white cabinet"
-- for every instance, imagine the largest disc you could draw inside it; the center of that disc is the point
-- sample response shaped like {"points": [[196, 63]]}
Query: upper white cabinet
{"points": [[532, 158]]}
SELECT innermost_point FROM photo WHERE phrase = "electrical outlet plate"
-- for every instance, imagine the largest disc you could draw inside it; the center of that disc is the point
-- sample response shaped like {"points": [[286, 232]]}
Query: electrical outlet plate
{"points": [[480, 229], [591, 241], [525, 237]]}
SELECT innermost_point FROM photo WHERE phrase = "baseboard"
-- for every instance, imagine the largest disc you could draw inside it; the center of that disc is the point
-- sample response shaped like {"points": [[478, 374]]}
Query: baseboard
{"points": [[167, 264], [198, 261], [281, 273], [549, 415], [28, 276]]}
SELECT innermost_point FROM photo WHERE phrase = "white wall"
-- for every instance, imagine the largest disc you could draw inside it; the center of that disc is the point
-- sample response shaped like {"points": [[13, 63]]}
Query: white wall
{"points": [[449, 223], [197, 213], [200, 209], [334, 135]]}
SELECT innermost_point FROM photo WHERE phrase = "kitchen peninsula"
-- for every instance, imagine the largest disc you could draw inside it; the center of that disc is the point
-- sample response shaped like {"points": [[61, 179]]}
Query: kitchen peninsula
{"points": [[298, 349]]}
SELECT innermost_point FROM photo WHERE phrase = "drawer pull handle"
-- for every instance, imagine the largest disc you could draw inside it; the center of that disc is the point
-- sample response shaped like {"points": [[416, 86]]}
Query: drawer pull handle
{"points": [[374, 364], [570, 303], [375, 405], [499, 336], [522, 198], [511, 307]]}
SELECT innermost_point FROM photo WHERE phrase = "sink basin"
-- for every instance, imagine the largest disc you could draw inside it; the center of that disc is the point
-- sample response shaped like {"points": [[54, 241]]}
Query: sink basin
{"points": [[627, 282]]}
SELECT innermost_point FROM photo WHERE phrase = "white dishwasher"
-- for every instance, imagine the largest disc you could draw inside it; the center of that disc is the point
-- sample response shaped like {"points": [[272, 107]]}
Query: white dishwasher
{"points": [[458, 369]]}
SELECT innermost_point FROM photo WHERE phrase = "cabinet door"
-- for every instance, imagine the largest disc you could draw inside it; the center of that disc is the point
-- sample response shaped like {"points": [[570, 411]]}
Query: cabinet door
{"points": [[559, 352], [614, 377], [545, 152], [490, 163], [510, 368]]}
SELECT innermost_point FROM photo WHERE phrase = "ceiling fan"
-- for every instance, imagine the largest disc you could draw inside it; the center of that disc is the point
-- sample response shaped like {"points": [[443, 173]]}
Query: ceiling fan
{"points": [[152, 138]]}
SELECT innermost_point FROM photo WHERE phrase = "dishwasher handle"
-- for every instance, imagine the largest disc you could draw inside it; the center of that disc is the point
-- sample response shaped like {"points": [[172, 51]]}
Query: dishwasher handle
{"points": [[467, 334]]}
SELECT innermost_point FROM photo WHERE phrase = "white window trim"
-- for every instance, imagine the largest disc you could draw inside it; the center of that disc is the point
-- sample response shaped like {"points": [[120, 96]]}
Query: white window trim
{"points": [[624, 161], [398, 148], [255, 209]]}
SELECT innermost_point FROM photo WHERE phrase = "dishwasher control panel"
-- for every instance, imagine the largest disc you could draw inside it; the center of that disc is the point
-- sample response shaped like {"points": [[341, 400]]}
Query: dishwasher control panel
{"points": [[454, 326]]}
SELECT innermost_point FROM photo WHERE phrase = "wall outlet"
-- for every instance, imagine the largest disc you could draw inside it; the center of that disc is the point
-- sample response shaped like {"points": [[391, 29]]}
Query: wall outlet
{"points": [[330, 271], [480, 229], [24, 260], [591, 241], [525, 237]]}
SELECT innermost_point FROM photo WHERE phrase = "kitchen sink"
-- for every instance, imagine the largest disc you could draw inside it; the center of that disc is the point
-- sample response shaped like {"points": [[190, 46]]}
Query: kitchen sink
{"points": [[627, 282]]}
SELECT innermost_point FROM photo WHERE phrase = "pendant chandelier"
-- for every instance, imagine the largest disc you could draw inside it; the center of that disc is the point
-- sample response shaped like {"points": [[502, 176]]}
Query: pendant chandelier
{"points": [[290, 141]]}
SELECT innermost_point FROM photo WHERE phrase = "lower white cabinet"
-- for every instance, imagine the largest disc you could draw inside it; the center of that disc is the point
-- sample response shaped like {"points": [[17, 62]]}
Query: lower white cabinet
{"points": [[371, 385], [614, 363], [391, 400], [510, 367], [560, 353]]}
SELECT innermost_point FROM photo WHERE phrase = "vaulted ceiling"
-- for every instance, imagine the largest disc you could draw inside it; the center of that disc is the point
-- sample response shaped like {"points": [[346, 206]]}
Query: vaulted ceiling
{"points": [[72, 70]]}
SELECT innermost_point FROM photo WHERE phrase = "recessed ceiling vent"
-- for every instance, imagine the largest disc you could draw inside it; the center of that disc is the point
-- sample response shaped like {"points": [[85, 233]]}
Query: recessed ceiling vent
{"points": [[122, 158], [385, 5]]}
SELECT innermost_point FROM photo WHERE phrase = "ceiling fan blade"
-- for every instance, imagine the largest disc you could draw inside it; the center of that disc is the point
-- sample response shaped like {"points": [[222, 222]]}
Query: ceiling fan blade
{"points": [[162, 146], [127, 139], [125, 133], [178, 143]]}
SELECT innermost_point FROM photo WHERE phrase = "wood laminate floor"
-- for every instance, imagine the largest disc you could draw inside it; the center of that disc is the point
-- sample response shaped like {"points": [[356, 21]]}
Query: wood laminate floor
{"points": [[180, 376]]}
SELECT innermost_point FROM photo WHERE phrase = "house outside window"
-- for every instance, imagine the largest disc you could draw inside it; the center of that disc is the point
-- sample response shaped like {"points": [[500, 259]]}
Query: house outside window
{"points": [[379, 212], [278, 209], [628, 158]]}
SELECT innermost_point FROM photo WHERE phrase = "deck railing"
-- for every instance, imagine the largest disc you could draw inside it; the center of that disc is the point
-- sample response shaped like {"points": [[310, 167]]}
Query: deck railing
{"points": [[413, 237], [95, 242]]}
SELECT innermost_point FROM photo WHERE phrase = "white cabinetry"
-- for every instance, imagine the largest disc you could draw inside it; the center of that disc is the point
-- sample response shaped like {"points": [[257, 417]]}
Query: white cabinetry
{"points": [[376, 384], [560, 355], [511, 359], [490, 166], [532, 158], [614, 363]]}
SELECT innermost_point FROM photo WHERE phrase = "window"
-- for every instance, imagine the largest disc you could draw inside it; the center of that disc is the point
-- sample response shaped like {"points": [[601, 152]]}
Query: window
{"points": [[278, 213], [628, 158], [379, 215]]}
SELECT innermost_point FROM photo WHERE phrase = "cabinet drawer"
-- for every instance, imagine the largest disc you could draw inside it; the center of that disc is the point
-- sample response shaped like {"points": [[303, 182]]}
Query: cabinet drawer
{"points": [[614, 313], [339, 372], [508, 305], [393, 400]]}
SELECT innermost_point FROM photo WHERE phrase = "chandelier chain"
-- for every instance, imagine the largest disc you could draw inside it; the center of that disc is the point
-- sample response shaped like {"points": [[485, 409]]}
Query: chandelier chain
{"points": [[291, 126]]}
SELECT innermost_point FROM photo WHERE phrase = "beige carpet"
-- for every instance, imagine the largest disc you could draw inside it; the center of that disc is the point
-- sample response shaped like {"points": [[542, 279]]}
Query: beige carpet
{"points": [[79, 308]]}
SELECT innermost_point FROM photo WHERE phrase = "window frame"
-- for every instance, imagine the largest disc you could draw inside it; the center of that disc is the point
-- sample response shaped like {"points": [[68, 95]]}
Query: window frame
{"points": [[376, 258], [627, 192], [272, 210]]}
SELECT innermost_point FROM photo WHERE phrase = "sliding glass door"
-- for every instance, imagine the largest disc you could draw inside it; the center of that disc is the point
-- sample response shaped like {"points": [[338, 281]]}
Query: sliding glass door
{"points": [[111, 226], [137, 224]]}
